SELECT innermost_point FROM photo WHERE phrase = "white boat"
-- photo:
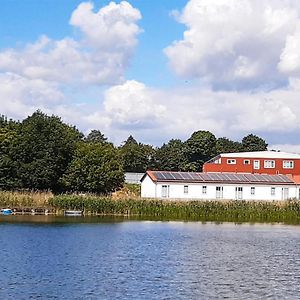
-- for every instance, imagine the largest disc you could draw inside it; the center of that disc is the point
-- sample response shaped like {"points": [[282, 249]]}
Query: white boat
{"points": [[6, 211], [73, 212]]}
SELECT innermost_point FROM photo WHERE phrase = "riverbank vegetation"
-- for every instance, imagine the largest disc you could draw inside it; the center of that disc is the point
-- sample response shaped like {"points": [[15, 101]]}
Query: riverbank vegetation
{"points": [[44, 153], [120, 205], [223, 211], [24, 199]]}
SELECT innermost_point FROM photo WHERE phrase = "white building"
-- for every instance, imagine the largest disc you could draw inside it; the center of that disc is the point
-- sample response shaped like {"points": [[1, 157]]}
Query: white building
{"points": [[229, 186]]}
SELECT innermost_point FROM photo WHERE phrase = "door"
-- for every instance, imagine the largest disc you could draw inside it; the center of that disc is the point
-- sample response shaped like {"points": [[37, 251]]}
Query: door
{"points": [[219, 192], [239, 193], [165, 191], [285, 193], [256, 164]]}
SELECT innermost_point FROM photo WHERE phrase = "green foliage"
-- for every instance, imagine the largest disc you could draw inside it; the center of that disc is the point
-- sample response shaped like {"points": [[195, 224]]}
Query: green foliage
{"points": [[137, 157], [41, 149], [199, 148], [8, 167], [171, 156], [252, 142], [36, 153], [95, 168], [230, 211], [96, 136], [225, 145]]}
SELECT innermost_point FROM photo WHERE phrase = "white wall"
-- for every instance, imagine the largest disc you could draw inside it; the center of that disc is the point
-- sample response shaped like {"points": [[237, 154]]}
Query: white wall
{"points": [[149, 189]]}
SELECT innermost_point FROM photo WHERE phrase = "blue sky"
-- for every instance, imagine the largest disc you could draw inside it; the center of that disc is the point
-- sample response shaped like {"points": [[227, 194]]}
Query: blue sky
{"points": [[155, 69], [24, 21]]}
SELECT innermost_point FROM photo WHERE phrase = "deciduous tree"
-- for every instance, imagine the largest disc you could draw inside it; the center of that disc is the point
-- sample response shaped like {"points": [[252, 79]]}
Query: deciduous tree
{"points": [[199, 148], [95, 168], [253, 142]]}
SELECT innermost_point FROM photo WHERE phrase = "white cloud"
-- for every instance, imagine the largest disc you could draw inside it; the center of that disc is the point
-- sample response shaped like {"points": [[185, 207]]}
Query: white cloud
{"points": [[238, 43], [20, 96], [101, 56], [112, 28], [290, 56], [133, 106], [286, 148], [156, 115]]}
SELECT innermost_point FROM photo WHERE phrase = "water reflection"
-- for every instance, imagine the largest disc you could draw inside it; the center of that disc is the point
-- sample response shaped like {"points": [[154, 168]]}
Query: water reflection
{"points": [[116, 259]]}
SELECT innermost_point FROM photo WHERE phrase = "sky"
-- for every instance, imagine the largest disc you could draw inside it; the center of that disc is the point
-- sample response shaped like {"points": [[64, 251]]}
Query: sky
{"points": [[155, 69]]}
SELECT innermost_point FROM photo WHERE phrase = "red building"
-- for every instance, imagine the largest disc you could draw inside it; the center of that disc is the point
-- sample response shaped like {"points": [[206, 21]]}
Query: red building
{"points": [[260, 162]]}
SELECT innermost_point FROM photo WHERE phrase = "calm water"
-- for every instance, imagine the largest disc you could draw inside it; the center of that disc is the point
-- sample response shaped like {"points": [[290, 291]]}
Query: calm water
{"points": [[108, 259]]}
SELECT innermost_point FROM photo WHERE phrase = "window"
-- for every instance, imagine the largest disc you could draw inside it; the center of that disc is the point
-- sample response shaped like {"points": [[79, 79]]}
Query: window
{"points": [[252, 190], [186, 189], [269, 164], [204, 189], [246, 162], [272, 191], [217, 161], [256, 164], [219, 192], [231, 161], [165, 191], [288, 164]]}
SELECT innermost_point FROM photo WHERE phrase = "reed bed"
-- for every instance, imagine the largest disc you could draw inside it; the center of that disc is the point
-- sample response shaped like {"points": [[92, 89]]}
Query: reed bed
{"points": [[19, 199], [223, 211]]}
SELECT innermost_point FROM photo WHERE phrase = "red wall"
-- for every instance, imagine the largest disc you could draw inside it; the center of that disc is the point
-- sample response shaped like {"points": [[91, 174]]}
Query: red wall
{"points": [[240, 167]]}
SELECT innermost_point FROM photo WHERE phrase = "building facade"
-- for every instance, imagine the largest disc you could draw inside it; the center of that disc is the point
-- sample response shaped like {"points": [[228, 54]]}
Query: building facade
{"points": [[260, 162], [229, 186]]}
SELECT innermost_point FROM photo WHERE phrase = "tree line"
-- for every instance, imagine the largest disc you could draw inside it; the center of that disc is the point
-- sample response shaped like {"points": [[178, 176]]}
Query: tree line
{"points": [[44, 153]]}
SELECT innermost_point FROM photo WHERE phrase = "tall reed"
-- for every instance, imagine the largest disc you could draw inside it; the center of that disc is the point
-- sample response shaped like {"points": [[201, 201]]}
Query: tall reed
{"points": [[24, 199], [231, 211]]}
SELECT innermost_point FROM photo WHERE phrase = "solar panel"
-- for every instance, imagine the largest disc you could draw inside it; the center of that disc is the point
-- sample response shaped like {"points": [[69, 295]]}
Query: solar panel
{"points": [[177, 176], [220, 177]]}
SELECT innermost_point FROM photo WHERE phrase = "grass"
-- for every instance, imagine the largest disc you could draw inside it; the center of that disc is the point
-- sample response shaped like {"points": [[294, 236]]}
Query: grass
{"points": [[220, 211], [230, 211], [24, 199]]}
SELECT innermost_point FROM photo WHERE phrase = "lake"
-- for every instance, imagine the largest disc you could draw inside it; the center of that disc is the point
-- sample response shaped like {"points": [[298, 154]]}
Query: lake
{"points": [[46, 257]]}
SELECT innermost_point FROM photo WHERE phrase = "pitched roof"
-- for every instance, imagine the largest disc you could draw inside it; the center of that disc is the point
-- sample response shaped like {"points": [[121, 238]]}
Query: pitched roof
{"points": [[262, 154], [222, 178]]}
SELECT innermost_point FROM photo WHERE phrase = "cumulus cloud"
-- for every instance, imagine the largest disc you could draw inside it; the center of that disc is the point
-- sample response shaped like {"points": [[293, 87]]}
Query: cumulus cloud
{"points": [[21, 96], [133, 106], [43, 74], [112, 28], [238, 43], [100, 56], [156, 115], [246, 50]]}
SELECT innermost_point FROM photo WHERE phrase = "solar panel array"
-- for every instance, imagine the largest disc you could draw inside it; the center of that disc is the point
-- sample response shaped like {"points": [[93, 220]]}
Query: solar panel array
{"points": [[220, 177]]}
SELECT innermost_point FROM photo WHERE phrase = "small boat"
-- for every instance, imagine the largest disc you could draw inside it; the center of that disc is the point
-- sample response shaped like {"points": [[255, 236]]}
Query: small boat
{"points": [[73, 212], [6, 211]]}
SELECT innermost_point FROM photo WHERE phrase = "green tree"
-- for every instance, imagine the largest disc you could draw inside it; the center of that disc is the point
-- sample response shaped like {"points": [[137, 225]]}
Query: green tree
{"points": [[95, 168], [96, 136], [225, 145], [253, 142], [8, 168], [171, 156], [137, 157], [43, 147], [199, 148]]}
